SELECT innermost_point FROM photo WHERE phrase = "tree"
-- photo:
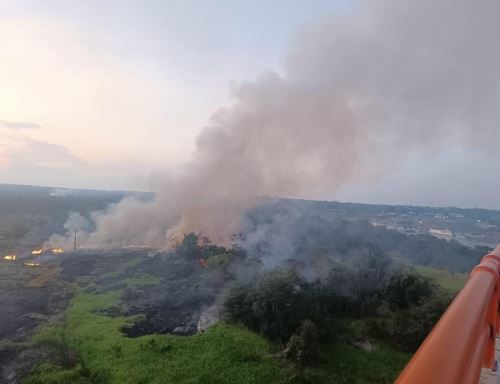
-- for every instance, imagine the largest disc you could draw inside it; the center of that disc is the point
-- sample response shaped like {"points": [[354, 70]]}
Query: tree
{"points": [[407, 289], [274, 306]]}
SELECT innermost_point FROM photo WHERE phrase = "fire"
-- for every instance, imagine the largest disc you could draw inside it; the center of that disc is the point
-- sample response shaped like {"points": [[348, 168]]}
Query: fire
{"points": [[10, 257], [31, 264], [37, 251], [57, 251]]}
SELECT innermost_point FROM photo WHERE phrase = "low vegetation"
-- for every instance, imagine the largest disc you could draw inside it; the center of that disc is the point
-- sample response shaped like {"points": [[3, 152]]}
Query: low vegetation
{"points": [[142, 280], [226, 353], [447, 281], [223, 354], [345, 319]]}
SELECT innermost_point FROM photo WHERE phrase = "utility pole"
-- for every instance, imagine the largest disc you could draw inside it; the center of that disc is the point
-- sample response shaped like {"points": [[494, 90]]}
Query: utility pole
{"points": [[74, 244]]}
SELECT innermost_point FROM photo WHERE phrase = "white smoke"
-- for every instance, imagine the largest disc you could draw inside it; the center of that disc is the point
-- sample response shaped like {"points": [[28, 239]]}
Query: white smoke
{"points": [[357, 94]]}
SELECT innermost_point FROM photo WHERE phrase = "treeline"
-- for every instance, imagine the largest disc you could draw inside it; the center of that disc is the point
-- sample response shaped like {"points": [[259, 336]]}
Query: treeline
{"points": [[286, 232], [302, 302], [396, 306]]}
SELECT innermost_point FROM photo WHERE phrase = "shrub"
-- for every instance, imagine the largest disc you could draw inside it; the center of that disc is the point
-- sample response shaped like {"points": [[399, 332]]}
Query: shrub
{"points": [[275, 306], [413, 305], [303, 346], [408, 289], [411, 326]]}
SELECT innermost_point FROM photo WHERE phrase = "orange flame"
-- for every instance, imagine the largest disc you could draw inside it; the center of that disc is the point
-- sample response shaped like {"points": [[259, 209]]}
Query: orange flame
{"points": [[10, 257], [37, 251]]}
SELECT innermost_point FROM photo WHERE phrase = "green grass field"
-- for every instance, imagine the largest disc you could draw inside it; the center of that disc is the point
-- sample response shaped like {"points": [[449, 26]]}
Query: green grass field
{"points": [[223, 354], [443, 278], [345, 364]]}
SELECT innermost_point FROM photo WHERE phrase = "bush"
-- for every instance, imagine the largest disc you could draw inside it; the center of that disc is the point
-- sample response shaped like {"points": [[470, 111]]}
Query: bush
{"points": [[303, 346], [238, 306], [411, 326], [357, 283], [275, 306], [413, 305], [408, 289]]}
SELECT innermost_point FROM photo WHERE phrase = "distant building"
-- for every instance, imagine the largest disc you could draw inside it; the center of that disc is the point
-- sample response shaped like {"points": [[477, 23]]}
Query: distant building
{"points": [[441, 233]]}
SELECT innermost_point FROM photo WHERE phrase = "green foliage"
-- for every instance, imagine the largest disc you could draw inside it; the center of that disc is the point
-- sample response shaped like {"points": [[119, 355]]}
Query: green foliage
{"points": [[188, 248], [275, 306], [342, 363], [400, 308], [413, 325], [408, 289], [196, 248], [357, 284], [223, 354], [238, 305], [303, 346], [53, 374], [451, 283], [218, 260], [413, 305]]}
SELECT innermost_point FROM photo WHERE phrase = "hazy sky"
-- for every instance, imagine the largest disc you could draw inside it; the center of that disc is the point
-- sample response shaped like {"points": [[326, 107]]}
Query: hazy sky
{"points": [[98, 94], [94, 92]]}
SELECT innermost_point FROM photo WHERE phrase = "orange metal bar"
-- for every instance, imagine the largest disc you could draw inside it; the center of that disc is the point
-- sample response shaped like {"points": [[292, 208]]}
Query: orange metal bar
{"points": [[463, 341]]}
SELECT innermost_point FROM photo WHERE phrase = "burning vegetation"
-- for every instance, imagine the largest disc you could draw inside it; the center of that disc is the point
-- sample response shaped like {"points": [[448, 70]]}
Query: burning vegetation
{"points": [[288, 279], [41, 251], [294, 303]]}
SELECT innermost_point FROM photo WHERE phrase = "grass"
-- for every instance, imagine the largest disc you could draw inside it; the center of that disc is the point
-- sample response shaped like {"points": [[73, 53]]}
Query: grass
{"points": [[223, 354], [443, 278], [142, 280], [345, 364], [48, 373]]}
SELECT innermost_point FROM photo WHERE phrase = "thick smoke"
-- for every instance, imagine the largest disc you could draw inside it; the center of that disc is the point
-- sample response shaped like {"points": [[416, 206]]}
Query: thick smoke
{"points": [[358, 92]]}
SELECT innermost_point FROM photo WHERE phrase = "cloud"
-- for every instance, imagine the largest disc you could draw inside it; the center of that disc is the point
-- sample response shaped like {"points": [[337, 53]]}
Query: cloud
{"points": [[24, 160], [20, 152], [46, 154], [17, 125], [87, 92]]}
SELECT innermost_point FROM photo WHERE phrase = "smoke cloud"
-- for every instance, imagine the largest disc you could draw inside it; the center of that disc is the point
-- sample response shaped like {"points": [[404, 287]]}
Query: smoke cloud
{"points": [[357, 94]]}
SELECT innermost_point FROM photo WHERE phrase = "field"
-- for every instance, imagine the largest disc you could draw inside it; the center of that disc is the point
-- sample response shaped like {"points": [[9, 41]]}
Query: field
{"points": [[88, 334], [223, 354], [443, 278]]}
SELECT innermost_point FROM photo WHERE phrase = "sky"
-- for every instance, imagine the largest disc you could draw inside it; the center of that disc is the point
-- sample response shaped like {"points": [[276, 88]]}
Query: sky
{"points": [[96, 93], [100, 94]]}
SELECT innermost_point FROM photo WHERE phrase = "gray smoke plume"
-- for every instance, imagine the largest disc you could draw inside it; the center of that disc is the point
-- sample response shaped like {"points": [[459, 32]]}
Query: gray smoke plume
{"points": [[358, 92]]}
